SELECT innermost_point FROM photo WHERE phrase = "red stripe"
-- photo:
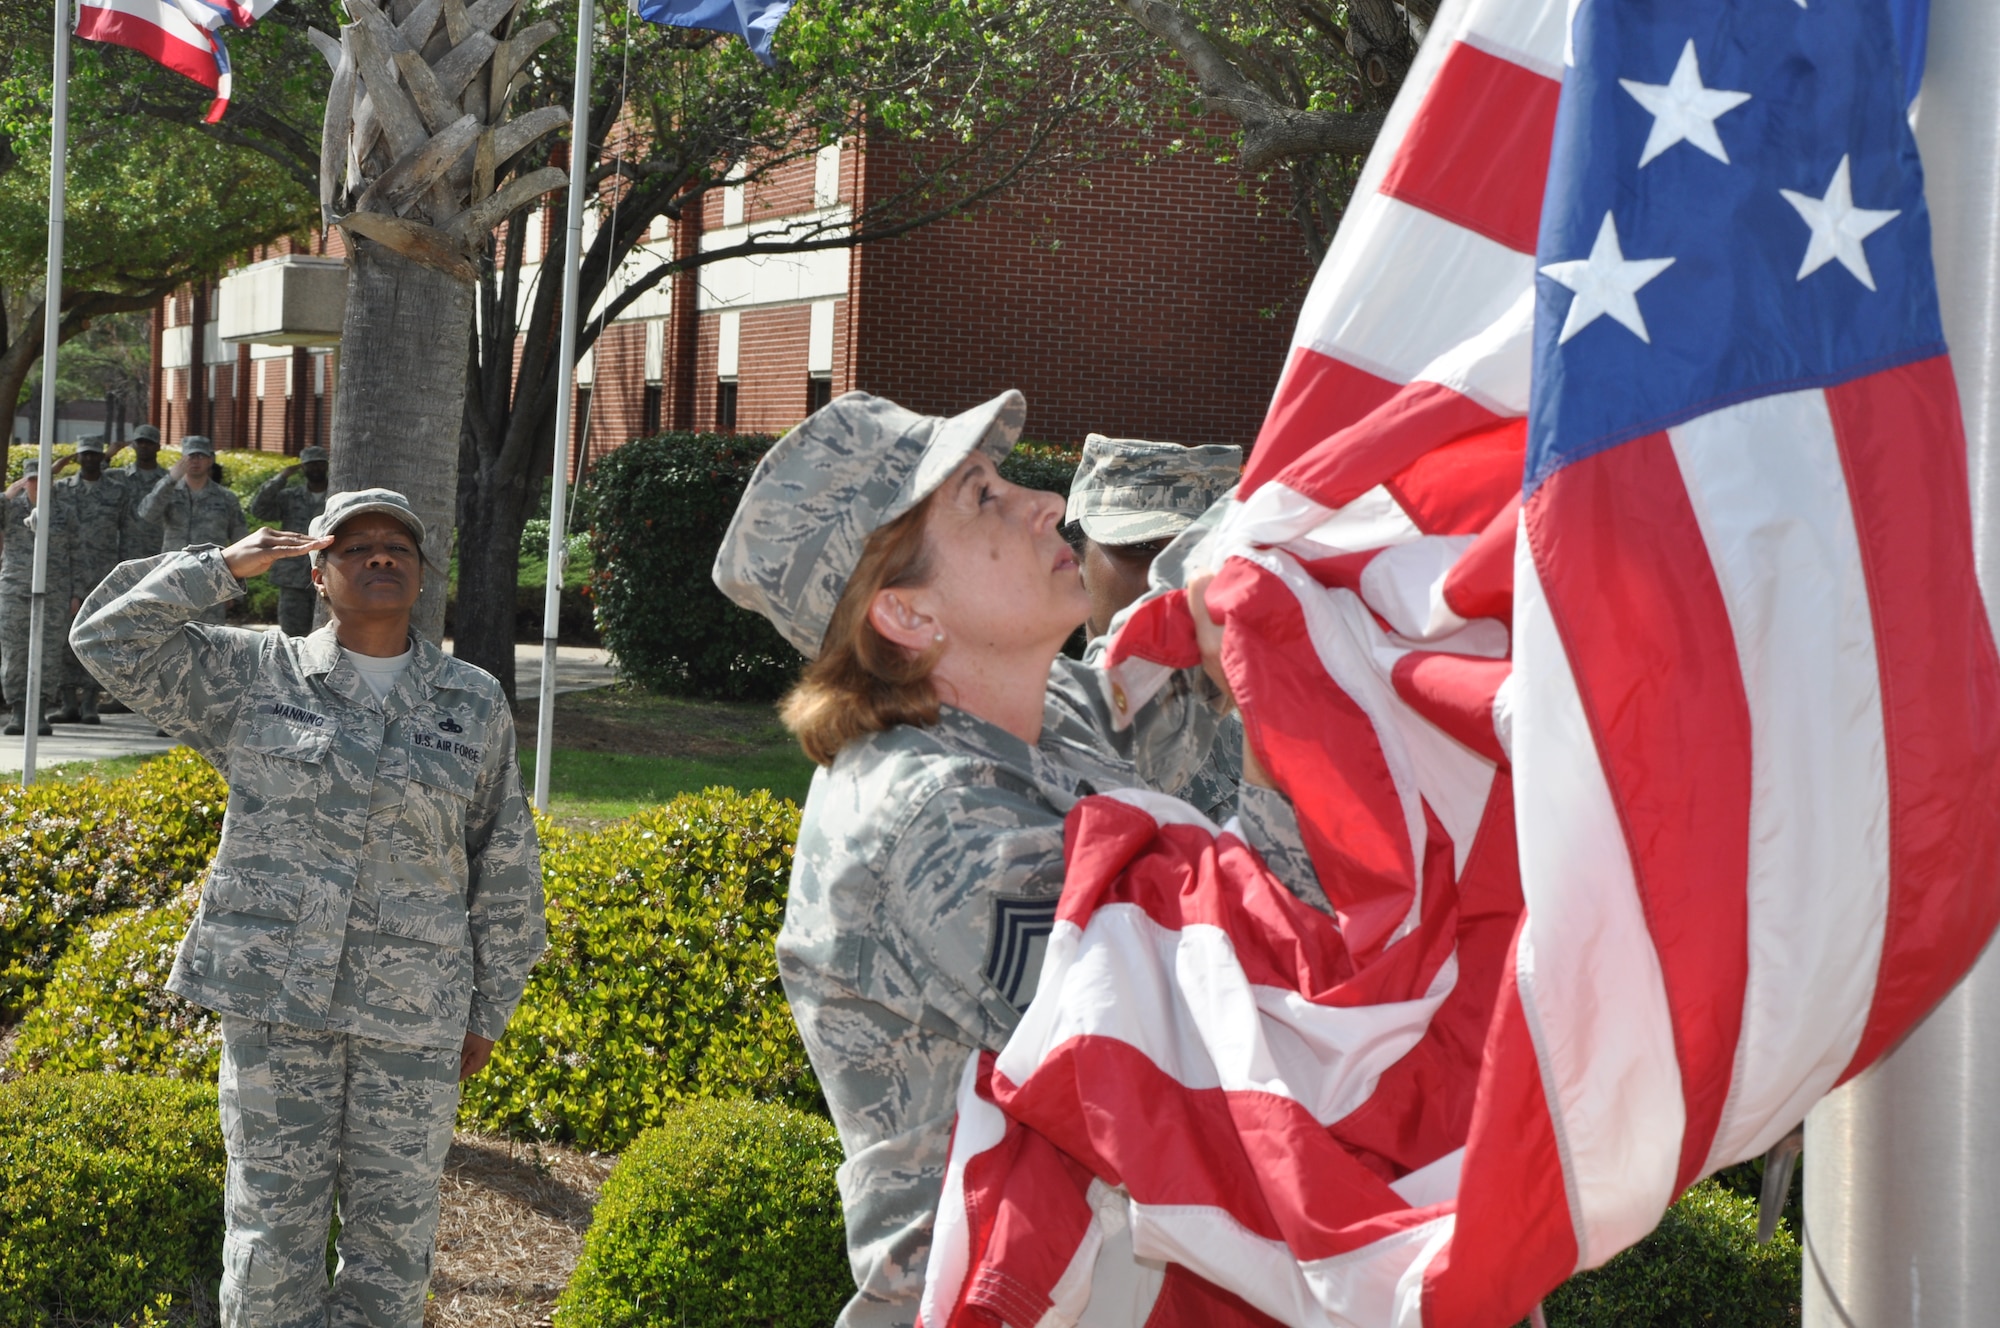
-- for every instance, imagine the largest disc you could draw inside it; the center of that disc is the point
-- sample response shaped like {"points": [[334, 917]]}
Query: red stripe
{"points": [[1321, 748], [1188, 1301], [1160, 630], [1422, 1105], [1455, 692], [1457, 488], [1260, 1159], [1387, 441], [1318, 396], [149, 39], [1481, 583], [1636, 602], [1904, 456], [1514, 1240], [1477, 152]]}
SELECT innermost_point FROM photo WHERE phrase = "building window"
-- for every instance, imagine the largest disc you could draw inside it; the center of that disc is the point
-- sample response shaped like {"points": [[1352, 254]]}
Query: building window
{"points": [[819, 391], [725, 405], [649, 411]]}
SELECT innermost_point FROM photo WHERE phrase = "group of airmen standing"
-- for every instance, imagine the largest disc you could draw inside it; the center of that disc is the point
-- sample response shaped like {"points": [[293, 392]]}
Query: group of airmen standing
{"points": [[102, 515]]}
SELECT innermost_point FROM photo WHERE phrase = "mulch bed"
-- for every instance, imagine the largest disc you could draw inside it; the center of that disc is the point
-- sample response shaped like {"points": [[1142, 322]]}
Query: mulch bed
{"points": [[510, 1231]]}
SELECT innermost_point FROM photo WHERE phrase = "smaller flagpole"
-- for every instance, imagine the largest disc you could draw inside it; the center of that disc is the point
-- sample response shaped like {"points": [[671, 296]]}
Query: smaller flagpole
{"points": [[38, 613], [579, 136]]}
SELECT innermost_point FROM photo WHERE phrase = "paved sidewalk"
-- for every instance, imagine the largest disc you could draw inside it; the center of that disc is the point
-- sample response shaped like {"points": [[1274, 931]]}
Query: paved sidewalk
{"points": [[578, 668]]}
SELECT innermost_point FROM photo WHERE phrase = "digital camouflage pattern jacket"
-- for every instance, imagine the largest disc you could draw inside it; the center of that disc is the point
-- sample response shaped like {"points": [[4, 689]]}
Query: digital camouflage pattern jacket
{"points": [[293, 507], [378, 872], [100, 510], [188, 517], [924, 889]]}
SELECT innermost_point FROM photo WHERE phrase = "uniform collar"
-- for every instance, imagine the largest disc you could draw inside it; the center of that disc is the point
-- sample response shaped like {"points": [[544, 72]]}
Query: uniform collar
{"points": [[1062, 769], [320, 655]]}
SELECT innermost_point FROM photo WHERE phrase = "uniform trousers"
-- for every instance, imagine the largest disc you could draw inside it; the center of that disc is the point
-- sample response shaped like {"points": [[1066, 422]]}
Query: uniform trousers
{"points": [[295, 610], [311, 1120], [15, 614]]}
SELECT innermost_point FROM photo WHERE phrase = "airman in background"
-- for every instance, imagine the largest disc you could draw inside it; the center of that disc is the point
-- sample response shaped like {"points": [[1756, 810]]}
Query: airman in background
{"points": [[1130, 500], [97, 498], [142, 472], [293, 507], [193, 508], [17, 568]]}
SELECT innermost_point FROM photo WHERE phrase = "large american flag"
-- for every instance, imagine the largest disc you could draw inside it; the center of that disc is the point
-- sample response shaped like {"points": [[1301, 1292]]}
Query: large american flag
{"points": [[1601, 593]]}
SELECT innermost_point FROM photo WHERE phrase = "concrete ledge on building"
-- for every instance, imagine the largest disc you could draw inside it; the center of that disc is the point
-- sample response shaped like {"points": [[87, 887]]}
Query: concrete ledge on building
{"points": [[294, 300]]}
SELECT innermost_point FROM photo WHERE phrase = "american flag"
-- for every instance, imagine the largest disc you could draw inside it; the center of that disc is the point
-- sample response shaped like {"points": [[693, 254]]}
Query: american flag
{"points": [[183, 35], [1601, 594]]}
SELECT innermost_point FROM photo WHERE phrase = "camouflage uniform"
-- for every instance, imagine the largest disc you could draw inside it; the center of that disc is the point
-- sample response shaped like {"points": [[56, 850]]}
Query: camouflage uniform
{"points": [[376, 896], [143, 537], [100, 509], [929, 859], [1128, 491], [17, 568], [293, 507], [190, 517]]}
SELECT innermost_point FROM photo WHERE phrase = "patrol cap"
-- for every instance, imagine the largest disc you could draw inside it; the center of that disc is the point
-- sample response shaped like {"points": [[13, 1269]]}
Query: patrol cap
{"points": [[196, 445], [854, 466], [32, 466], [342, 508], [146, 433], [92, 442], [1129, 491], [312, 454]]}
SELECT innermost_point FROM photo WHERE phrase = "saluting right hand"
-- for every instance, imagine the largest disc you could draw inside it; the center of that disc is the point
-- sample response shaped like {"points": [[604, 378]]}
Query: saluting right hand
{"points": [[254, 553]]}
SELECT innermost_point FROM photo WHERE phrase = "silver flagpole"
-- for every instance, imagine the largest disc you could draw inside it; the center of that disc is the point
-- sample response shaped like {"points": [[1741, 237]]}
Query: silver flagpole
{"points": [[38, 614], [579, 134], [1903, 1164]]}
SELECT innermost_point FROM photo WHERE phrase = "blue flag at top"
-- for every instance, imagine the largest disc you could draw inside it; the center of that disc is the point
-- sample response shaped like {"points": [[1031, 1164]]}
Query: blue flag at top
{"points": [[752, 20]]}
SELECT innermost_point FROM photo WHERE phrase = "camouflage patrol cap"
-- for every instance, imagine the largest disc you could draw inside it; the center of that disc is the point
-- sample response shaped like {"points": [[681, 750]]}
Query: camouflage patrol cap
{"points": [[196, 445], [146, 433], [342, 508], [854, 466], [91, 442], [1128, 491], [32, 466], [312, 454]]}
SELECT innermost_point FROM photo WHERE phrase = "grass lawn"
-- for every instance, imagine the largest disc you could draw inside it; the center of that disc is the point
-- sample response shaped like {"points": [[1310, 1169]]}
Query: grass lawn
{"points": [[619, 749]]}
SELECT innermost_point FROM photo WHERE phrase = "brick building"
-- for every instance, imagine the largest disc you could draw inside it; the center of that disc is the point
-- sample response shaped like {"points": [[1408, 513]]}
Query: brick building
{"points": [[1140, 297]]}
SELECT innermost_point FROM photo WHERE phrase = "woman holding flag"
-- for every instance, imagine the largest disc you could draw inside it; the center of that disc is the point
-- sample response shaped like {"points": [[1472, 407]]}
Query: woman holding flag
{"points": [[932, 598]]}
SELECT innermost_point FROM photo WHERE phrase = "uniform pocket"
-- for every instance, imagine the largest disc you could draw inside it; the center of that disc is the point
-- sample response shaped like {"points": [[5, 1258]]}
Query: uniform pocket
{"points": [[247, 1091], [419, 961], [277, 760], [435, 922]]}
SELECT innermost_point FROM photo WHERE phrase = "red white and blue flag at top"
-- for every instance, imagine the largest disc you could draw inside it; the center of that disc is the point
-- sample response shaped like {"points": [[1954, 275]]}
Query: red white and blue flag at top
{"points": [[1601, 595], [755, 21], [183, 35]]}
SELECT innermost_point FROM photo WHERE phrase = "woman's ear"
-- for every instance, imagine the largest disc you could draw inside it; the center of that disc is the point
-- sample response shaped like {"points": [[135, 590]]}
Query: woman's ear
{"points": [[897, 617]]}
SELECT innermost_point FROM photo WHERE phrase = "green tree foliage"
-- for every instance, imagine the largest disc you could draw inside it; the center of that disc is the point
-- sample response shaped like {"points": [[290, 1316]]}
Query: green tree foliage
{"points": [[110, 1196], [725, 1213], [153, 203], [660, 984]]}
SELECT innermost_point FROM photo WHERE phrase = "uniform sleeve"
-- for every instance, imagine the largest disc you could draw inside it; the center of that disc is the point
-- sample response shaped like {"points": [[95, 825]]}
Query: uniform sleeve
{"points": [[238, 527], [970, 888], [504, 895], [1269, 825], [137, 635], [268, 503], [153, 507]]}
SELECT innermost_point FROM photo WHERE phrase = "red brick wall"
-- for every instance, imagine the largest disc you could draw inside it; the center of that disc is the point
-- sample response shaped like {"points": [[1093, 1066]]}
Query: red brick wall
{"points": [[1146, 299]]}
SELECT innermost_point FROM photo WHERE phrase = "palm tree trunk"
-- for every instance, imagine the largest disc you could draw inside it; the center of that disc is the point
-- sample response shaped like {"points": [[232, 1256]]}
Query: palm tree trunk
{"points": [[400, 401]]}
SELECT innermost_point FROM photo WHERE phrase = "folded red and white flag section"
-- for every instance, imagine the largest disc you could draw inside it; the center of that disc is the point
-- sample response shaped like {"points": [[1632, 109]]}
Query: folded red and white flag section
{"points": [[183, 35], [1610, 623]]}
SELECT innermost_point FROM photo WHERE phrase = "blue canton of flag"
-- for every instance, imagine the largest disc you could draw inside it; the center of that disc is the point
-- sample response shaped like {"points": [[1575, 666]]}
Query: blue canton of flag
{"points": [[752, 20], [1735, 208]]}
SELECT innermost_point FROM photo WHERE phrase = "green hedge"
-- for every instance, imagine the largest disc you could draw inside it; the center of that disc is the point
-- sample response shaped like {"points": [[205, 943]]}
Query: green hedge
{"points": [[659, 507], [1701, 1268], [660, 984], [71, 852], [110, 1196], [725, 1213]]}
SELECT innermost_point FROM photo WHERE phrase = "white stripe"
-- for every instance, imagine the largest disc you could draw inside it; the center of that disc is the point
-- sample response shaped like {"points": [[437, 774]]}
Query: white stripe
{"points": [[1405, 286], [1528, 32], [1589, 977], [162, 15], [1181, 999], [1406, 585], [1768, 491], [1276, 514], [1493, 367]]}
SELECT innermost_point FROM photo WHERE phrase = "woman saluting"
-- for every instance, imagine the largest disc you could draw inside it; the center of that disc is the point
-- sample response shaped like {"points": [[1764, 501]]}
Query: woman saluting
{"points": [[373, 909], [932, 598]]}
